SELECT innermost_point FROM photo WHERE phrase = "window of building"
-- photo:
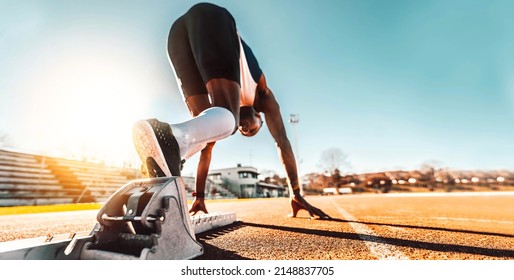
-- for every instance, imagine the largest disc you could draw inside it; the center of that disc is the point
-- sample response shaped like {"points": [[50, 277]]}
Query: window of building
{"points": [[216, 176], [244, 175]]}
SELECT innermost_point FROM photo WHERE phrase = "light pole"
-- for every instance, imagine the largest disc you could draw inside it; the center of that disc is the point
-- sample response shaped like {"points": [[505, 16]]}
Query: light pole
{"points": [[294, 119]]}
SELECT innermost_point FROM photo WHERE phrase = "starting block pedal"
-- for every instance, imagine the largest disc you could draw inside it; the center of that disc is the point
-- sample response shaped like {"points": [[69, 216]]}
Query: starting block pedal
{"points": [[144, 220]]}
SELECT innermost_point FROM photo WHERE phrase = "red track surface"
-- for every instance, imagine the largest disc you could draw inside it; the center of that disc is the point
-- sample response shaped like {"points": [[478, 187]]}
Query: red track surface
{"points": [[425, 226]]}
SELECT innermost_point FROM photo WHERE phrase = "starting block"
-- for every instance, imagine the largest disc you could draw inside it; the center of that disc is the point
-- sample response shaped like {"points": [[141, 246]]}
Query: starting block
{"points": [[144, 220]]}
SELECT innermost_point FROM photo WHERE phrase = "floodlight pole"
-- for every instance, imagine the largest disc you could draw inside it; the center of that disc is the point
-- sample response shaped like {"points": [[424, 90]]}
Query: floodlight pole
{"points": [[294, 119]]}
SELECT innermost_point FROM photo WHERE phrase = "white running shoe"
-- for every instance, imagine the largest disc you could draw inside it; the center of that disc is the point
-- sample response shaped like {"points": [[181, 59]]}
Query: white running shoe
{"points": [[157, 148]]}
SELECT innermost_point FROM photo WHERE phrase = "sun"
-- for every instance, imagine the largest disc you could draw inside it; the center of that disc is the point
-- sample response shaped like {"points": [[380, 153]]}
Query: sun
{"points": [[85, 107]]}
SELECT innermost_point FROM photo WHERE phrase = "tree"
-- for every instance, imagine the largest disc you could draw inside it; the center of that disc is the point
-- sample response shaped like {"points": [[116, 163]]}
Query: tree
{"points": [[334, 159], [266, 174], [336, 178], [429, 169]]}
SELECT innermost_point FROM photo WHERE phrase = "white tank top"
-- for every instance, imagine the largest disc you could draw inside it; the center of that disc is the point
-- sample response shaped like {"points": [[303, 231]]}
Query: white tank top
{"points": [[248, 84]]}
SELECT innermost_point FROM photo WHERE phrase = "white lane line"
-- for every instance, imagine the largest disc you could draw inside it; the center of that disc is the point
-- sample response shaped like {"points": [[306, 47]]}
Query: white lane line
{"points": [[377, 246]]}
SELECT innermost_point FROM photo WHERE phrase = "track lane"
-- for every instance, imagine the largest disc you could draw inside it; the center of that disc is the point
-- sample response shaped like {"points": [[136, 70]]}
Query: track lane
{"points": [[366, 227]]}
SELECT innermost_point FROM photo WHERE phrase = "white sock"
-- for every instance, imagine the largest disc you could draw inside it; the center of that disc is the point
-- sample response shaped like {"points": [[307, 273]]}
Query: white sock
{"points": [[211, 125]]}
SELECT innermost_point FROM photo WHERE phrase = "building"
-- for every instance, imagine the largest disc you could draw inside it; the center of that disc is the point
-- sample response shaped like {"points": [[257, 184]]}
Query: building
{"points": [[244, 183], [212, 190]]}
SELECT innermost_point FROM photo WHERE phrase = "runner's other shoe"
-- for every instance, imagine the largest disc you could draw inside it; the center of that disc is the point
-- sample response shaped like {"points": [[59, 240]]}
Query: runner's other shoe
{"points": [[157, 148]]}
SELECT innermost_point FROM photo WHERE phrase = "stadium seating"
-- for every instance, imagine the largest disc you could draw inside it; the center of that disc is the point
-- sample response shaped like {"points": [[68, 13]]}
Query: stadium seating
{"points": [[27, 179]]}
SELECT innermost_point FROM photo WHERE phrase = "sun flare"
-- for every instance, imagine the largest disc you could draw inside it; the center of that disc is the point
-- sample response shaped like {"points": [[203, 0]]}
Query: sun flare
{"points": [[85, 108]]}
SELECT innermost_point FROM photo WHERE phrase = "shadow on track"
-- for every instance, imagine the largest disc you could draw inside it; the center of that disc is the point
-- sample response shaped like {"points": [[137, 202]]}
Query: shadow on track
{"points": [[502, 253], [427, 228], [212, 252]]}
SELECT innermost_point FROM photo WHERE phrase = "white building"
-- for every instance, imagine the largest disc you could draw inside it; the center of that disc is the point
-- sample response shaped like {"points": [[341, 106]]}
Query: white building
{"points": [[212, 189], [244, 183]]}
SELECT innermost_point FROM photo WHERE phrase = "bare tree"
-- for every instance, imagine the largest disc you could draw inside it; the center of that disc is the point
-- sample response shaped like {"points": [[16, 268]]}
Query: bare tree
{"points": [[430, 170], [267, 173], [334, 159]]}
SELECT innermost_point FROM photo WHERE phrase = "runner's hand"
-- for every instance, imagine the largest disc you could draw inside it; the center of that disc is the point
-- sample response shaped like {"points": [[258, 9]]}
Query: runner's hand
{"points": [[198, 205], [298, 203]]}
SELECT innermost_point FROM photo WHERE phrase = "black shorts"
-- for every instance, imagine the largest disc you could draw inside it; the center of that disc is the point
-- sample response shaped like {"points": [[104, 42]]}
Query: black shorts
{"points": [[203, 44]]}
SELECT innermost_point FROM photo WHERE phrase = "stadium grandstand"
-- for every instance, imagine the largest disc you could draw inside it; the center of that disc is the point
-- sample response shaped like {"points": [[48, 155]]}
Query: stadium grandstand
{"points": [[30, 179]]}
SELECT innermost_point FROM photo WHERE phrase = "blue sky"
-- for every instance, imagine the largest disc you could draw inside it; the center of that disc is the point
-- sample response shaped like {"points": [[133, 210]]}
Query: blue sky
{"points": [[392, 84]]}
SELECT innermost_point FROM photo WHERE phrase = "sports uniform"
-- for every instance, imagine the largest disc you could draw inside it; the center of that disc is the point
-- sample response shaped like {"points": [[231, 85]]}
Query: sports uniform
{"points": [[203, 44], [207, 52]]}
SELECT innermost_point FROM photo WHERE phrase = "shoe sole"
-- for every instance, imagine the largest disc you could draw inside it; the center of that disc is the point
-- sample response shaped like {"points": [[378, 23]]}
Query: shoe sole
{"points": [[148, 148]]}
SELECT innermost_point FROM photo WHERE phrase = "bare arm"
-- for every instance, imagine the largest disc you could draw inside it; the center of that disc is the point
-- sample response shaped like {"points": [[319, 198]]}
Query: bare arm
{"points": [[201, 179], [275, 124], [197, 104], [269, 106]]}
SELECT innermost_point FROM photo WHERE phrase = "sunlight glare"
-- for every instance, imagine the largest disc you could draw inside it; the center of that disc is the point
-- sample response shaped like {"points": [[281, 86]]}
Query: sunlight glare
{"points": [[85, 107]]}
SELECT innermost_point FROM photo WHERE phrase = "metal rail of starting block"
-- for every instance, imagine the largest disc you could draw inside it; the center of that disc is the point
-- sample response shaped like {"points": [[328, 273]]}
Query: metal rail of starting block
{"points": [[145, 219]]}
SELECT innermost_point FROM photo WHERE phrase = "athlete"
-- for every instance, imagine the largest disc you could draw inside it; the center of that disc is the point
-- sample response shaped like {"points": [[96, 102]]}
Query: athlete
{"points": [[225, 90]]}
